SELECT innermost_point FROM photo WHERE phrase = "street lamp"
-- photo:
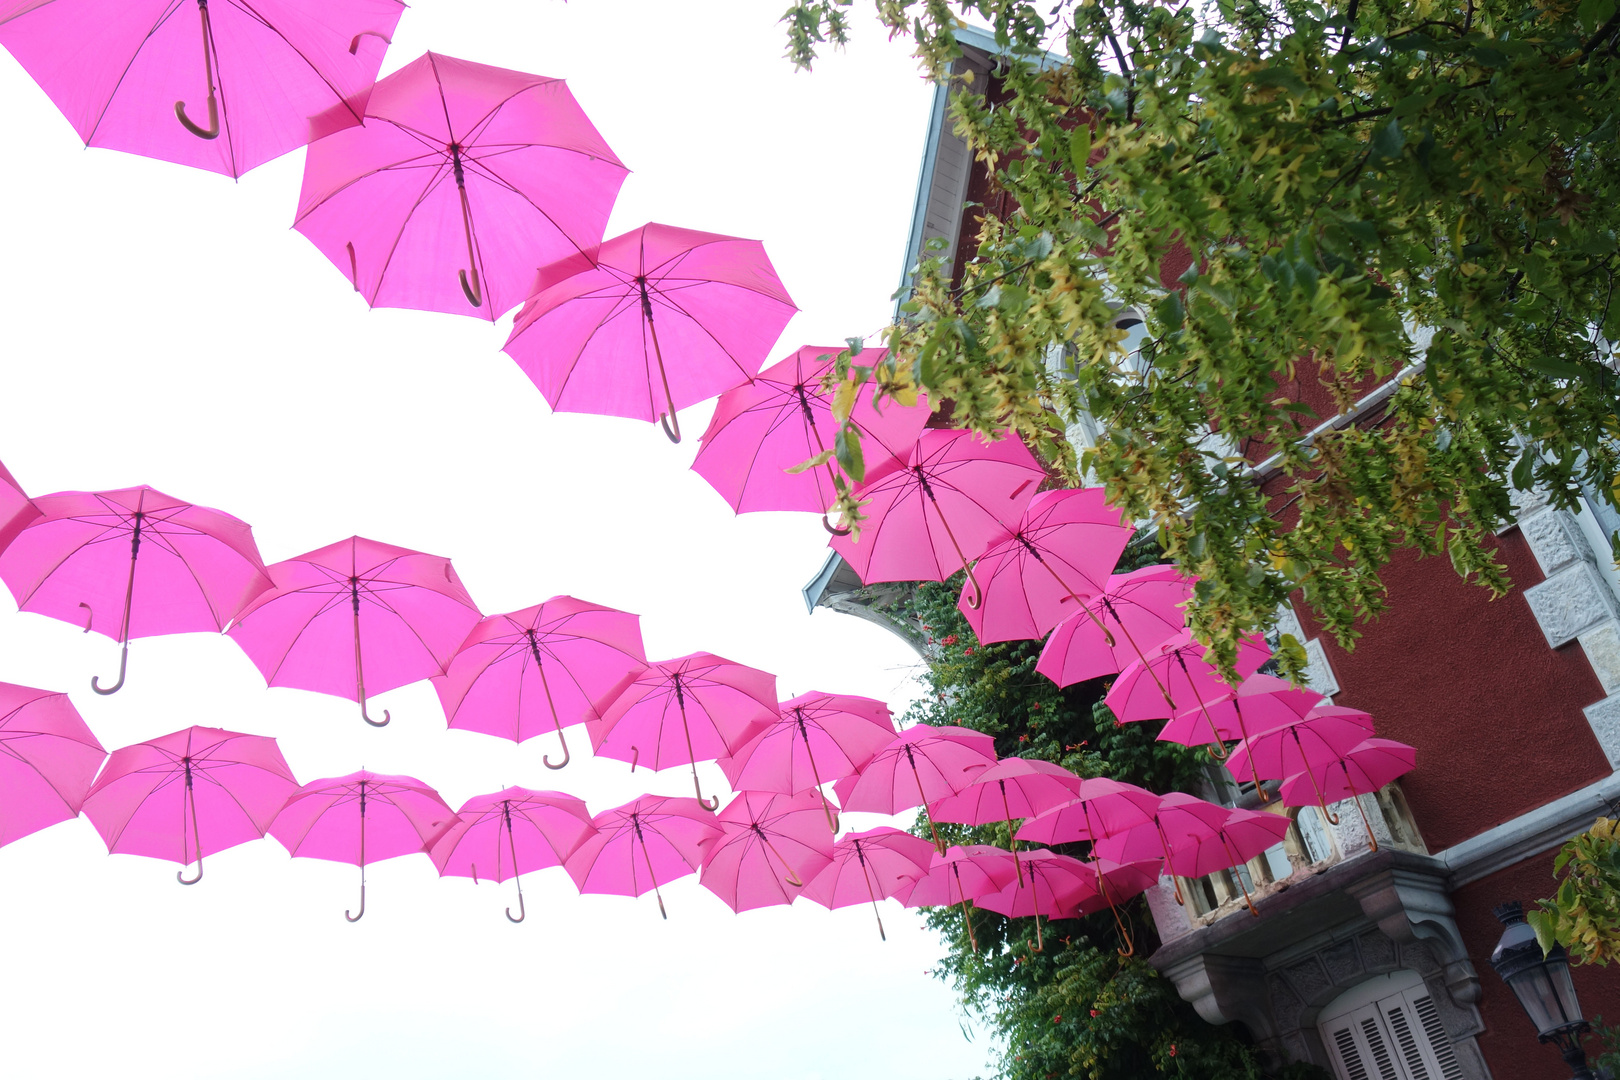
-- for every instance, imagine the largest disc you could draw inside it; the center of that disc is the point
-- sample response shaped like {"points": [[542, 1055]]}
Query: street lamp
{"points": [[1542, 984]]}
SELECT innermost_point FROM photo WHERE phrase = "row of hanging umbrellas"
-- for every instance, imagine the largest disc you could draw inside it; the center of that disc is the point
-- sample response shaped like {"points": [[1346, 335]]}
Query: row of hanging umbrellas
{"points": [[447, 186]]}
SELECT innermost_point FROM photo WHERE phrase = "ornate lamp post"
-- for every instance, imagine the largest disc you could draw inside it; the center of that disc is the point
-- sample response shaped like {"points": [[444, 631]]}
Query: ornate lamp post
{"points": [[1542, 984]]}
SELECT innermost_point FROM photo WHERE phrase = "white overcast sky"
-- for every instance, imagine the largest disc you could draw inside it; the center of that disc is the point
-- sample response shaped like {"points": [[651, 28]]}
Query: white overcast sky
{"points": [[166, 326]]}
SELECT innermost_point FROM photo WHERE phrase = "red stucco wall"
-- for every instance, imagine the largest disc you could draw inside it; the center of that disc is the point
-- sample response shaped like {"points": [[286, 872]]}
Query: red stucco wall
{"points": [[1509, 1042], [1495, 715]]}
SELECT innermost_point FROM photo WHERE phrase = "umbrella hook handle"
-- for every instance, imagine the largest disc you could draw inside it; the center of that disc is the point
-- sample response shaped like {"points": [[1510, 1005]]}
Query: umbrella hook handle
{"points": [[354, 46], [836, 530], [667, 419], [212, 130], [361, 913], [89, 615], [180, 875], [387, 716], [474, 294], [567, 756], [522, 911], [123, 666]]}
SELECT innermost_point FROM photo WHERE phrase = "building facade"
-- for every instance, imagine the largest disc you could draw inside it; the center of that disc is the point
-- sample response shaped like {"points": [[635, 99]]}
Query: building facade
{"points": [[1373, 961]]}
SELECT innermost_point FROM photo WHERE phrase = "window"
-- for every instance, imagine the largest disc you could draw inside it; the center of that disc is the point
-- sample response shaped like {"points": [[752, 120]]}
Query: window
{"points": [[1389, 1029], [1313, 834]]}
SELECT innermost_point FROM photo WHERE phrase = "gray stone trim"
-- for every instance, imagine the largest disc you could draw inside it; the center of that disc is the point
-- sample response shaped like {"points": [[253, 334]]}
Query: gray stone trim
{"points": [[1530, 834], [1572, 601], [1366, 916]]}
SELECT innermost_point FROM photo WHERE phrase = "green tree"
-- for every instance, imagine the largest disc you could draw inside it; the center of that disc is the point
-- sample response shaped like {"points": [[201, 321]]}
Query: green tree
{"points": [[1418, 194], [1077, 1009]]}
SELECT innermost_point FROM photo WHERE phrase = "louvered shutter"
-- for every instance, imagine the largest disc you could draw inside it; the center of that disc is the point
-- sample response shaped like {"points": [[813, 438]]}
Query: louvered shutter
{"points": [[1399, 1037]]}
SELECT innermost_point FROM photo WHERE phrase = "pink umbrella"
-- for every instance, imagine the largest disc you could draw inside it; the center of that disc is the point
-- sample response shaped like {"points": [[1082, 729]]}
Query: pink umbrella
{"points": [[1261, 703], [1199, 844], [189, 794], [306, 632], [962, 874], [48, 759], [769, 847], [720, 705], [592, 335], [930, 517], [1127, 620], [1059, 555], [486, 830], [1103, 808], [1305, 746], [277, 73], [662, 835], [1116, 883], [784, 418], [1177, 676], [544, 667], [16, 511], [196, 567], [919, 767], [461, 168], [865, 865], [817, 737], [1179, 821], [1011, 788], [1361, 770], [361, 818], [1048, 884]]}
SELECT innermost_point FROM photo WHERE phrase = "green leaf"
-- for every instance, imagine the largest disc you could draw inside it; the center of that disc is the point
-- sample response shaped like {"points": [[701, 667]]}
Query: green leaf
{"points": [[1554, 368], [1080, 148], [1594, 13], [847, 447], [810, 463], [1388, 140], [1170, 312]]}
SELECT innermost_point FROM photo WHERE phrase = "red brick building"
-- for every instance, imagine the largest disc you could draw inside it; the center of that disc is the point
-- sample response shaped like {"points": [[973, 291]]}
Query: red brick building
{"points": [[1376, 964]]}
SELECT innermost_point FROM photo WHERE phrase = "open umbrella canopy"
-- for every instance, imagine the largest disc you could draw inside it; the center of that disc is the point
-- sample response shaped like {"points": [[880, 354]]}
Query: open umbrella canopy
{"points": [[1059, 555], [930, 517], [1235, 837], [541, 669], [1314, 741], [694, 708], [815, 738], [782, 419], [870, 865], [770, 846], [1126, 621], [1259, 704], [650, 322], [16, 511], [1103, 808], [189, 794], [1361, 770], [1011, 788], [1052, 885], [48, 760], [510, 832], [356, 617], [464, 178], [224, 87], [133, 563], [920, 766], [361, 818], [963, 872], [1176, 677], [642, 845]]}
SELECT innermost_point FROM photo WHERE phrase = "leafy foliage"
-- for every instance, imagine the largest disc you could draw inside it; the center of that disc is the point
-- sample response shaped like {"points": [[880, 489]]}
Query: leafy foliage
{"points": [[1584, 914], [1421, 196], [1077, 1009]]}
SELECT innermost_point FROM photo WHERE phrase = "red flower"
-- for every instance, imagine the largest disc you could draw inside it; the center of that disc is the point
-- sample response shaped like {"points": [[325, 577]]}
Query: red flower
{"points": [[1172, 1049], [948, 639], [967, 651], [1093, 1012], [1023, 738], [1058, 1019]]}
